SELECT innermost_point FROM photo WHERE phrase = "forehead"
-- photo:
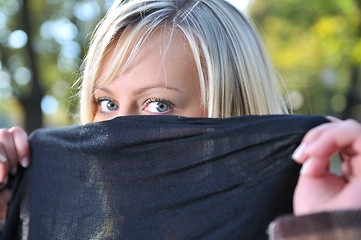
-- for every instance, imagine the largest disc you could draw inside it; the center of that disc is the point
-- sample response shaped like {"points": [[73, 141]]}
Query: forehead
{"points": [[158, 49]]}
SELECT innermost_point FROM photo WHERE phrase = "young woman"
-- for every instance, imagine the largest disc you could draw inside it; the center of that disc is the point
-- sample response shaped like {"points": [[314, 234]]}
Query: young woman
{"points": [[197, 58]]}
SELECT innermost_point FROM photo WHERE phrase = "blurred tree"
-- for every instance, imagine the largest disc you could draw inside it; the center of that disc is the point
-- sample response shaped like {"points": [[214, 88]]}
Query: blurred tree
{"points": [[317, 47], [315, 44], [31, 101], [42, 43]]}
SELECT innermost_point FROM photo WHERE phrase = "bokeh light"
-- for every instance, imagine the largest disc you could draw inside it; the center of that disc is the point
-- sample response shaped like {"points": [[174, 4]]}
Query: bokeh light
{"points": [[61, 30], [3, 20], [16, 61], [11, 6], [17, 39], [49, 105], [61, 89], [296, 99], [67, 64], [4, 80], [87, 11], [240, 4], [22, 76], [70, 49]]}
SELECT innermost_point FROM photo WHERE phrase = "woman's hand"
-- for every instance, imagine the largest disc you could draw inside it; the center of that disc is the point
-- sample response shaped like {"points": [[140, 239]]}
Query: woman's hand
{"points": [[318, 189], [14, 149]]}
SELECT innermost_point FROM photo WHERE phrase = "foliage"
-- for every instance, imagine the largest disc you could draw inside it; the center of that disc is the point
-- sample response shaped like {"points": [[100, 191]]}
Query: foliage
{"points": [[59, 34], [316, 46]]}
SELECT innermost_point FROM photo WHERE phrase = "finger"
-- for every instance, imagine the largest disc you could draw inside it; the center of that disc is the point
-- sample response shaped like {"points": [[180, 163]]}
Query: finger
{"points": [[333, 119], [315, 167], [312, 194], [315, 132], [328, 138], [346, 169], [6, 195], [351, 168], [299, 154], [3, 164], [344, 136], [22, 145], [344, 156], [4, 200], [9, 149]]}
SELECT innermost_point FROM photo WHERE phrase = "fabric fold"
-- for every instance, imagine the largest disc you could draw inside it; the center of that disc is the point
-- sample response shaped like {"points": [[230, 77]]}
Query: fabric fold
{"points": [[159, 177]]}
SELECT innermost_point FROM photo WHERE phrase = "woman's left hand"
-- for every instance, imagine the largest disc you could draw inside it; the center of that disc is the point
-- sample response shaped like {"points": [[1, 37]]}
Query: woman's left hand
{"points": [[318, 189]]}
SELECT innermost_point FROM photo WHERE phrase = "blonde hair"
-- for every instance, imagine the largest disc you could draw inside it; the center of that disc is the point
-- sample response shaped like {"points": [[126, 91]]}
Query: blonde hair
{"points": [[235, 73]]}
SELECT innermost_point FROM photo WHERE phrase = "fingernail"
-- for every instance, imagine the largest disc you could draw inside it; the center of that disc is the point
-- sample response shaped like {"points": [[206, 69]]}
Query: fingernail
{"points": [[14, 170], [3, 158], [25, 162], [297, 154], [333, 119], [306, 167]]}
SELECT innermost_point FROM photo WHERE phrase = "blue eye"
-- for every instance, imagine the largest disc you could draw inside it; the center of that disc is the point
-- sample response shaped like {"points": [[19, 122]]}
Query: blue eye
{"points": [[107, 105], [159, 106]]}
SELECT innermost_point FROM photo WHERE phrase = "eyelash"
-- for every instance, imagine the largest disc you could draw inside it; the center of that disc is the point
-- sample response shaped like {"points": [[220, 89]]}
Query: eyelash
{"points": [[98, 101], [155, 99]]}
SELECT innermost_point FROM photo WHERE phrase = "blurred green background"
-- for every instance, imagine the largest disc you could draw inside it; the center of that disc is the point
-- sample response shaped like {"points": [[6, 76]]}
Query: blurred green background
{"points": [[315, 45]]}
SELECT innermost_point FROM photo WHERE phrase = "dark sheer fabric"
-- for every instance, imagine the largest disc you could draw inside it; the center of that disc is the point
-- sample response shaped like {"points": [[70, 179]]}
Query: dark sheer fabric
{"points": [[158, 177]]}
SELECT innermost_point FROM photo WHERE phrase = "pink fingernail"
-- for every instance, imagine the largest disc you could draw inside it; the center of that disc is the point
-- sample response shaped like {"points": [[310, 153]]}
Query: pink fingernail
{"points": [[299, 151], [25, 162], [3, 158], [306, 167]]}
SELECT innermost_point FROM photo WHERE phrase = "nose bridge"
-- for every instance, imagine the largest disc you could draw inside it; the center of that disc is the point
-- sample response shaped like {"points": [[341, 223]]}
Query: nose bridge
{"points": [[125, 100], [126, 113], [127, 107], [126, 110]]}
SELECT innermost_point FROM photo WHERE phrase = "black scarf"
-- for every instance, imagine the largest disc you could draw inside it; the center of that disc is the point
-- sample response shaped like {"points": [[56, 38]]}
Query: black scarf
{"points": [[158, 177]]}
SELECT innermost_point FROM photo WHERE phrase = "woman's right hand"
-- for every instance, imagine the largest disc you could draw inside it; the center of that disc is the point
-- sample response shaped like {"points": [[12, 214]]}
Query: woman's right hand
{"points": [[14, 149]]}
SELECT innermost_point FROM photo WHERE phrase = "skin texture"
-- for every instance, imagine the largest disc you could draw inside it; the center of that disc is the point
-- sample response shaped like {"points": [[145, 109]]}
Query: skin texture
{"points": [[162, 79]]}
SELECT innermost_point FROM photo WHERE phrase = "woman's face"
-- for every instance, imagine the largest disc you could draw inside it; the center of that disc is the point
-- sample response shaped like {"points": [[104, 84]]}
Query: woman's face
{"points": [[162, 80]]}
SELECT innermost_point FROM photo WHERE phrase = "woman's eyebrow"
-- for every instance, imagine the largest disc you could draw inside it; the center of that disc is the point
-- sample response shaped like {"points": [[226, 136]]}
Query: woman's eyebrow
{"points": [[104, 89], [166, 87]]}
